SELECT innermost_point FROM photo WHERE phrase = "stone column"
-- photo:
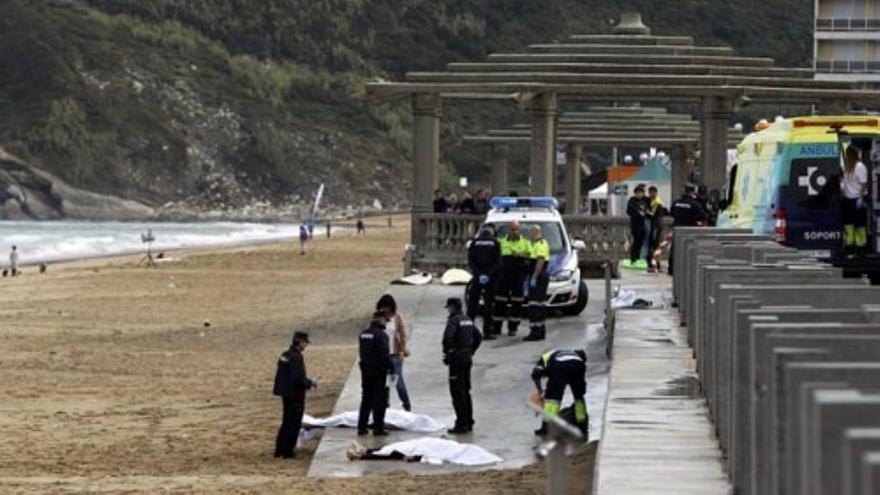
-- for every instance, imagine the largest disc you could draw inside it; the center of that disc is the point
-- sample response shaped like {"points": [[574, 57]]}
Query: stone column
{"points": [[679, 170], [543, 146], [573, 154], [498, 177], [713, 141], [426, 156]]}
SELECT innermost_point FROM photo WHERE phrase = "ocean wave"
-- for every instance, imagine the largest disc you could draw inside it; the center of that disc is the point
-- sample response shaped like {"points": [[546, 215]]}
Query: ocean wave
{"points": [[40, 242]]}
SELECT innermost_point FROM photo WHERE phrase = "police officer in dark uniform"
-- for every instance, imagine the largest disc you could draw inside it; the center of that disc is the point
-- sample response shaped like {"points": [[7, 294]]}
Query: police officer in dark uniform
{"points": [[484, 260], [687, 211], [563, 369], [375, 364], [291, 383], [460, 340], [538, 282]]}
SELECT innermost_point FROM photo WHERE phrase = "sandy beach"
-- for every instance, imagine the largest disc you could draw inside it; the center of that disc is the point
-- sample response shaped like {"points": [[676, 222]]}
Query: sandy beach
{"points": [[121, 378]]}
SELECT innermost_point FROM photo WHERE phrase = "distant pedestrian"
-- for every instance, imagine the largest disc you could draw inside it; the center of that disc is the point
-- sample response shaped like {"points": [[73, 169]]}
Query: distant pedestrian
{"points": [[13, 261], [440, 204], [375, 365], [303, 239], [398, 334], [460, 340], [328, 229], [291, 384], [311, 225], [359, 225]]}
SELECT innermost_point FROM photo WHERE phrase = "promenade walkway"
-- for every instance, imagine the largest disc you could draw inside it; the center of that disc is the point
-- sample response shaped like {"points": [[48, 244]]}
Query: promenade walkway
{"points": [[657, 437], [501, 386]]}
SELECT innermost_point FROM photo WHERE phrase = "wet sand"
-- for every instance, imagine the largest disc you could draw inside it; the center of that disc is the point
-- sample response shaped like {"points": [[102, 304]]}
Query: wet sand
{"points": [[112, 382]]}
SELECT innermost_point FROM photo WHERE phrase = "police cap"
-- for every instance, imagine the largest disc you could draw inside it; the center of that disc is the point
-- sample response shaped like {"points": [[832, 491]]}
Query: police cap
{"points": [[453, 302]]}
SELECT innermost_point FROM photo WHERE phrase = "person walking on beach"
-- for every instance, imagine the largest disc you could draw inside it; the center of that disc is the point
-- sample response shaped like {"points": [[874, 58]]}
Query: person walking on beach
{"points": [[359, 225], [375, 364], [399, 337], [291, 384], [303, 239], [13, 261], [460, 340]]}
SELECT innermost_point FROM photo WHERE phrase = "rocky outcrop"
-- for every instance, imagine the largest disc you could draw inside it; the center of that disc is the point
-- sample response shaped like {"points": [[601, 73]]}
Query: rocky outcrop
{"points": [[27, 193]]}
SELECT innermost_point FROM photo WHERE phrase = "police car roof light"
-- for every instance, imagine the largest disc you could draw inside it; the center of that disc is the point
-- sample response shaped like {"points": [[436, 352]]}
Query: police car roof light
{"points": [[501, 202]]}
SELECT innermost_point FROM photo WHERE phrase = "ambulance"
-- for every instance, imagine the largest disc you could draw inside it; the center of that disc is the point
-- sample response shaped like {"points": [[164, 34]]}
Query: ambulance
{"points": [[786, 180]]}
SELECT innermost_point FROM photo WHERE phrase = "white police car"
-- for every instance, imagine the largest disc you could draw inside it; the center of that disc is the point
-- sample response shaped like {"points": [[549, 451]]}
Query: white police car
{"points": [[566, 292]]}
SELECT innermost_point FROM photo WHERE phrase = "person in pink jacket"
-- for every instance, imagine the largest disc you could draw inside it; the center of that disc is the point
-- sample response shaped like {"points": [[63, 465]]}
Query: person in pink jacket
{"points": [[399, 336]]}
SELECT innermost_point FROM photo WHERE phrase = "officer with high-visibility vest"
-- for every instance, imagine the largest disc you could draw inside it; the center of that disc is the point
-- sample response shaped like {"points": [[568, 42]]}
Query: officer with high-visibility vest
{"points": [[515, 251], [563, 368], [538, 280]]}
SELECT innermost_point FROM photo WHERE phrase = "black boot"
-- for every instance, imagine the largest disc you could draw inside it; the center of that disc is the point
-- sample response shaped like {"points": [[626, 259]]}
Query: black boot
{"points": [[542, 430]]}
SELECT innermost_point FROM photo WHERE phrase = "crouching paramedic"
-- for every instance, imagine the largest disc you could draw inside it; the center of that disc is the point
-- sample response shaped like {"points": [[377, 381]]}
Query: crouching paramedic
{"points": [[538, 282], [509, 290], [484, 259], [563, 368]]}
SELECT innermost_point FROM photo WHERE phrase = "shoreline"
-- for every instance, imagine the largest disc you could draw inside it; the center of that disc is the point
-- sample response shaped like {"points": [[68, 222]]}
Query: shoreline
{"points": [[337, 229]]}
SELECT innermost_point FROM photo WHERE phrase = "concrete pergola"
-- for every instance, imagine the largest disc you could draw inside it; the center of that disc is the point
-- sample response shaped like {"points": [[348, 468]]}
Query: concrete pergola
{"points": [[626, 126], [628, 65]]}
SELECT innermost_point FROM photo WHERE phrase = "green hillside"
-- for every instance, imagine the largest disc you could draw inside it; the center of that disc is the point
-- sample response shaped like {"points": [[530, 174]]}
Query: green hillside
{"points": [[225, 102]]}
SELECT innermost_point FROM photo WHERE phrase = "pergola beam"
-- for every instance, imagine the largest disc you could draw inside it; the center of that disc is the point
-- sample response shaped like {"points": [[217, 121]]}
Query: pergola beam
{"points": [[590, 48], [630, 80], [642, 40], [625, 92], [635, 59], [629, 67], [622, 140]]}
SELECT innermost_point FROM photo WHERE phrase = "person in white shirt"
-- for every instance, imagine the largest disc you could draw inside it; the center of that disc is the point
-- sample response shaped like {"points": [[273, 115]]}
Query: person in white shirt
{"points": [[13, 261], [398, 334], [854, 187]]}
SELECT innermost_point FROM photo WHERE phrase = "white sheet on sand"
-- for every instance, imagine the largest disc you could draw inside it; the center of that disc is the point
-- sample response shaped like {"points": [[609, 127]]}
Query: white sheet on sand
{"points": [[396, 418], [439, 451]]}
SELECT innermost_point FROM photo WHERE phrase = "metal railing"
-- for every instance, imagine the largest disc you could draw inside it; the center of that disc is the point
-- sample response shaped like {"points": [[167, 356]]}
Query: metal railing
{"points": [[847, 67], [447, 234], [847, 24]]}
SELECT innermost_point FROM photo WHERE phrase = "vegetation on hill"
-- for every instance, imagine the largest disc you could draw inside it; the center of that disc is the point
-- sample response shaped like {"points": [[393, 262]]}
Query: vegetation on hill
{"points": [[220, 103]]}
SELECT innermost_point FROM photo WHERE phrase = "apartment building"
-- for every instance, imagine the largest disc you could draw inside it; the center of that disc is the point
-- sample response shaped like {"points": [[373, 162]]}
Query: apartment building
{"points": [[845, 40]]}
